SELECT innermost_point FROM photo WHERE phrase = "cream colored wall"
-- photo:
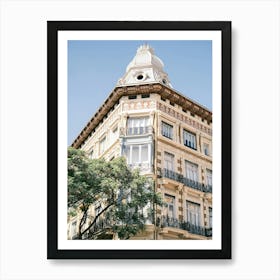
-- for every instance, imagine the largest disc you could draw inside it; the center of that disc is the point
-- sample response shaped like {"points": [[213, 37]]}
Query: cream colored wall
{"points": [[105, 129], [182, 153]]}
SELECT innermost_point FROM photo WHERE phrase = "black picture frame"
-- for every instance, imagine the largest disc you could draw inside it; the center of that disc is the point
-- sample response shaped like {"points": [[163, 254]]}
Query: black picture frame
{"points": [[53, 27]]}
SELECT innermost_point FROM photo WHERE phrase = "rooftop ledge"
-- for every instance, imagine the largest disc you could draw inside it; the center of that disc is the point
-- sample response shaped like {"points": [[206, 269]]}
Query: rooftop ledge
{"points": [[154, 87]]}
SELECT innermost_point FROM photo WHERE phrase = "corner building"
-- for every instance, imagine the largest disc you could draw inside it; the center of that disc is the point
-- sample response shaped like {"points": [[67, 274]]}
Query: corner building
{"points": [[164, 134]]}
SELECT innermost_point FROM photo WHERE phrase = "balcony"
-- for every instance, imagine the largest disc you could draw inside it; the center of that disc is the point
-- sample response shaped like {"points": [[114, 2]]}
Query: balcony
{"points": [[166, 221], [100, 225], [196, 229], [142, 166], [139, 130], [187, 182]]}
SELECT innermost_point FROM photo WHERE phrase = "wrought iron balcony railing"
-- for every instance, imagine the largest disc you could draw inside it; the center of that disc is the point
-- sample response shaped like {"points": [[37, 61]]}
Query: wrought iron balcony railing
{"points": [[194, 228], [166, 221], [190, 183], [101, 224]]}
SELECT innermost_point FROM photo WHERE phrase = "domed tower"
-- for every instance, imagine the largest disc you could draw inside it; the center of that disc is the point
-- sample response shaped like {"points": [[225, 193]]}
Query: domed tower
{"points": [[145, 67]]}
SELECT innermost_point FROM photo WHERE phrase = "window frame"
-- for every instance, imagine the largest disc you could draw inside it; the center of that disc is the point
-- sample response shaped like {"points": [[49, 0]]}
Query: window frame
{"points": [[141, 127], [166, 207], [102, 144], [192, 164], [129, 155], [209, 172], [198, 213], [167, 125], [206, 146], [172, 157], [192, 135]]}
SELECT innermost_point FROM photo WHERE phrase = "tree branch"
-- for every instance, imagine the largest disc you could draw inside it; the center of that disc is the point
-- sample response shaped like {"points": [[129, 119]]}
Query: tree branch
{"points": [[96, 217], [82, 222]]}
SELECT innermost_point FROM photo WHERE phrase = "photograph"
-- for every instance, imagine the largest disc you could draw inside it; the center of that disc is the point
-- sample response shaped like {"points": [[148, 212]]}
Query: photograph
{"points": [[141, 166], [139, 162]]}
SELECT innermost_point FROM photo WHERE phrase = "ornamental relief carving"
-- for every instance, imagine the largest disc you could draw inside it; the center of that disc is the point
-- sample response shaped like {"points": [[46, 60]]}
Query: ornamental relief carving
{"points": [[183, 118], [139, 105]]}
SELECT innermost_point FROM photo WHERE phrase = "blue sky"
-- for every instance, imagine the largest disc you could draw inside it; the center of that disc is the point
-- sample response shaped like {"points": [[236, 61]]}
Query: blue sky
{"points": [[94, 68]]}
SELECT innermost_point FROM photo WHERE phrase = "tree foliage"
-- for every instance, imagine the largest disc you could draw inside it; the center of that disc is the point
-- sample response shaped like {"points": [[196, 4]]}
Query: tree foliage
{"points": [[123, 197]]}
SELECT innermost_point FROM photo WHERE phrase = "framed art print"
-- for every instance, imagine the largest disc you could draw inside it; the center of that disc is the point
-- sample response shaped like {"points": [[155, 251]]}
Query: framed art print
{"points": [[139, 140]]}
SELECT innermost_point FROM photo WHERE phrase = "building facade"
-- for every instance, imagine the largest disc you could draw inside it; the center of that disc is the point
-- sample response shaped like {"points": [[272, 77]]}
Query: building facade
{"points": [[164, 134]]}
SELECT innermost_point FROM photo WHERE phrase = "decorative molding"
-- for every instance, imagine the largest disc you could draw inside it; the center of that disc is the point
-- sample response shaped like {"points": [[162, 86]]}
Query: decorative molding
{"points": [[158, 88], [173, 113], [138, 105]]}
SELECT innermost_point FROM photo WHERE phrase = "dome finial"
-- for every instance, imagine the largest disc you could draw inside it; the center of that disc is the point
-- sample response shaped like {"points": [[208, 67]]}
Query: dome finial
{"points": [[145, 47], [145, 67]]}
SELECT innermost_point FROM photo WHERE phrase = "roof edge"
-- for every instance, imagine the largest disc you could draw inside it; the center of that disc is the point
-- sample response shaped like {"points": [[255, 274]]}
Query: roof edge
{"points": [[154, 87]]}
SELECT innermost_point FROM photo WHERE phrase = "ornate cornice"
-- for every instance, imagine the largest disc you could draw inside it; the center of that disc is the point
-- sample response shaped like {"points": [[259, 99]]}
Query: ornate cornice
{"points": [[118, 92]]}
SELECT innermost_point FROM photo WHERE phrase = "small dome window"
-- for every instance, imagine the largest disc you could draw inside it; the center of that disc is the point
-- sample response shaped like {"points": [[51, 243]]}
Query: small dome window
{"points": [[164, 81], [140, 77]]}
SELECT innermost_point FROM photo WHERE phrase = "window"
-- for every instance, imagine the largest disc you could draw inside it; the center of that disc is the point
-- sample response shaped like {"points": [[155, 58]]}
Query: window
{"points": [[132, 96], [91, 154], [115, 130], [210, 216], [170, 206], [144, 153], [192, 171], [189, 139], [137, 154], [209, 177], [114, 134], [137, 126], [167, 130], [193, 213], [145, 95], [206, 149], [102, 145], [169, 161]]}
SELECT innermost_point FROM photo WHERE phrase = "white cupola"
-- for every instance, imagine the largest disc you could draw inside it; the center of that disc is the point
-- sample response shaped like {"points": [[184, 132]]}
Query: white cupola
{"points": [[145, 67]]}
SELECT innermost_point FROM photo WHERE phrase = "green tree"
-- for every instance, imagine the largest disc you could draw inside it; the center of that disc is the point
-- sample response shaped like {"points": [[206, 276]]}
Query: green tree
{"points": [[118, 194]]}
